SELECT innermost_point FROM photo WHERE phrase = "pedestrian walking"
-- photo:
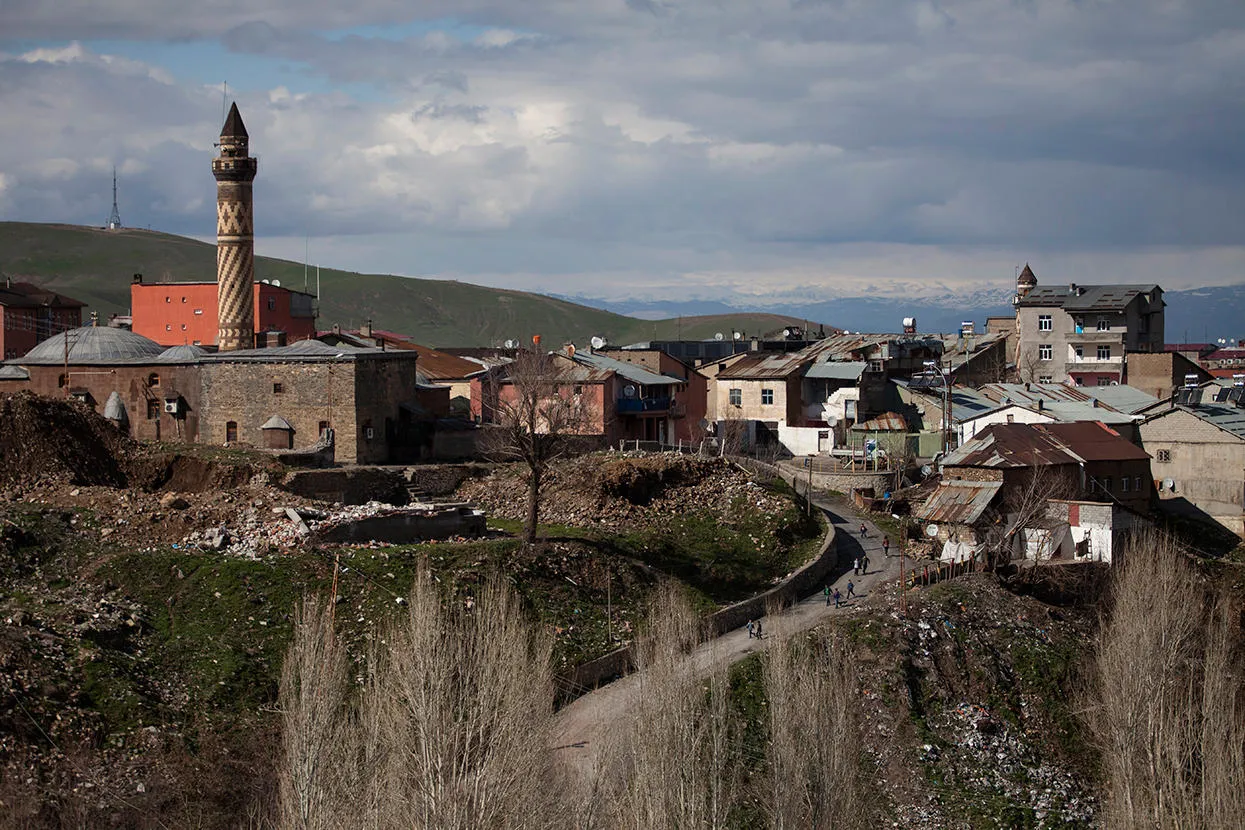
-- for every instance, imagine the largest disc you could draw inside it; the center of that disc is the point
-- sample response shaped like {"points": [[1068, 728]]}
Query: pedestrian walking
{"points": [[758, 629], [838, 598], [851, 589], [856, 565], [864, 565], [864, 531], [886, 545], [826, 591], [751, 625]]}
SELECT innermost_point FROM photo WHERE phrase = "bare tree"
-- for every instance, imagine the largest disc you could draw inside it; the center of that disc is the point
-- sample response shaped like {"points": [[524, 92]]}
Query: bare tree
{"points": [[313, 695], [1167, 704], [673, 763], [537, 418], [450, 731], [1024, 503], [815, 770]]}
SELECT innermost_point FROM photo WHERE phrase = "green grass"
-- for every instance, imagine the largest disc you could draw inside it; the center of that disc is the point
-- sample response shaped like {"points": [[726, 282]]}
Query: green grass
{"points": [[96, 267]]}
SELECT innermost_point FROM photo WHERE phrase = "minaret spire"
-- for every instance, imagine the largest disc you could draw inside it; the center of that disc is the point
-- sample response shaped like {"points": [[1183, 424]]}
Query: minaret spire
{"points": [[234, 170]]}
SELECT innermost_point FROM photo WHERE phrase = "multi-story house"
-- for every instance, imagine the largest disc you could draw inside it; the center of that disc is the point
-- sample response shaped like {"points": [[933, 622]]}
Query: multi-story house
{"points": [[1079, 333], [30, 314]]}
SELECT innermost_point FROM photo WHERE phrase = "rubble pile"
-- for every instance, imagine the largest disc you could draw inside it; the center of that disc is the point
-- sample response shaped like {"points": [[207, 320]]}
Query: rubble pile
{"points": [[613, 491], [43, 439]]}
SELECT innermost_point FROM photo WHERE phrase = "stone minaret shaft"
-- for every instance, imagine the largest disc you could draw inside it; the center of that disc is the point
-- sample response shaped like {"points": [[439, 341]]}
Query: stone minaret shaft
{"points": [[234, 170]]}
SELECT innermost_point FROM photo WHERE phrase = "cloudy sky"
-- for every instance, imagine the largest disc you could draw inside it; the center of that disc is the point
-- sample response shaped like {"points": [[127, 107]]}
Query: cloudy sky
{"points": [[772, 149]]}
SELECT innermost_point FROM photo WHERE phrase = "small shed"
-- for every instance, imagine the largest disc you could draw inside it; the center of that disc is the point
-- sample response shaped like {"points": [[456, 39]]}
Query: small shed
{"points": [[278, 434]]}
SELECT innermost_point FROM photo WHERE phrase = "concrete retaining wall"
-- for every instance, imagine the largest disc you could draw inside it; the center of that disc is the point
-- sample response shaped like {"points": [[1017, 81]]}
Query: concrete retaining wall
{"points": [[587, 676], [406, 528], [357, 485]]}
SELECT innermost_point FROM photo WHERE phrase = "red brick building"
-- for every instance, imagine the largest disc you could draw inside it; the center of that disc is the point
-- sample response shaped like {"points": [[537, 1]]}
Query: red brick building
{"points": [[184, 313], [30, 314]]}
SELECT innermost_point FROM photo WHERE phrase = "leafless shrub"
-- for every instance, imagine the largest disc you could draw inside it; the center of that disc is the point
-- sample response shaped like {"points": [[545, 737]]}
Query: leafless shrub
{"points": [[814, 752], [1168, 707], [673, 761]]}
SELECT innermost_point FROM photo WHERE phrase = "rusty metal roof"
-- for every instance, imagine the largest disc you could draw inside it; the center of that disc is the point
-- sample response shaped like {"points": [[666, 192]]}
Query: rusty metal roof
{"points": [[886, 422], [959, 502], [1043, 445], [764, 365]]}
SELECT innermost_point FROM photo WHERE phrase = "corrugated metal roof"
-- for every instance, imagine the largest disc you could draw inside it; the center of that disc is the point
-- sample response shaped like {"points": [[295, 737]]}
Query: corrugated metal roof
{"points": [[886, 422], [1121, 398], [959, 502], [837, 370], [1229, 418], [1059, 400], [630, 371], [1035, 445], [759, 366]]}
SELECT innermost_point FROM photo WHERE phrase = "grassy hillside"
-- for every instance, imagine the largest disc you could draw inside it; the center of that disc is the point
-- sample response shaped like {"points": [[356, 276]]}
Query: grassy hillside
{"points": [[96, 266]]}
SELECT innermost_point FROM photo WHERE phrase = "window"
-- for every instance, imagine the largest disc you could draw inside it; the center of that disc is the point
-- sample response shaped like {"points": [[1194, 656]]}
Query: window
{"points": [[277, 388], [322, 427], [1046, 379], [1011, 419], [1080, 325], [737, 397], [153, 409], [767, 397], [1164, 457], [1108, 484], [197, 342], [367, 431], [577, 389], [1080, 352], [1137, 484], [272, 303], [1104, 352], [168, 299], [1125, 484], [168, 326], [153, 380], [62, 381], [1044, 322], [183, 299], [231, 432], [1103, 325], [1045, 351], [1104, 381], [183, 326], [199, 311]]}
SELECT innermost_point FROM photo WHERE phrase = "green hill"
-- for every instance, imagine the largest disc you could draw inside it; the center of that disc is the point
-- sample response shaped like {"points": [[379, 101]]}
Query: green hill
{"points": [[96, 266]]}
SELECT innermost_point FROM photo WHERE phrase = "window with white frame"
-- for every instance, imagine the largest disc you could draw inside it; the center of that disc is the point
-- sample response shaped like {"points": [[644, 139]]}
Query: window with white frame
{"points": [[1125, 484], [1044, 322], [736, 397], [767, 397], [1103, 324], [1046, 379], [1045, 351]]}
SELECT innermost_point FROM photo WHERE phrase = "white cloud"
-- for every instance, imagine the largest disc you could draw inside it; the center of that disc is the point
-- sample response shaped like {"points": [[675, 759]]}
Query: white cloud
{"points": [[743, 145]]}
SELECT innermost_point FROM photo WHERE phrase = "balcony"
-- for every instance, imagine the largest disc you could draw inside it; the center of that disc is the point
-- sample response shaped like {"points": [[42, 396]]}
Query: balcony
{"points": [[1094, 364], [1095, 337], [650, 406]]}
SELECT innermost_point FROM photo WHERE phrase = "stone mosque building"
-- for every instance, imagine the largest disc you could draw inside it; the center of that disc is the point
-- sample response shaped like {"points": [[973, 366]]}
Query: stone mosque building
{"points": [[370, 403]]}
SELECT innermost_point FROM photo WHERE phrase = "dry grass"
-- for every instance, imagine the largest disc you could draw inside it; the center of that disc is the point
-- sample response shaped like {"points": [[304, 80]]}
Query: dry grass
{"points": [[1168, 707]]}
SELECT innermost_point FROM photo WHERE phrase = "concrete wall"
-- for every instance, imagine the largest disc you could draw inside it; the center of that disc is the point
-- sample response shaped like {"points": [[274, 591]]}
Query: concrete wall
{"points": [[750, 407], [1206, 464], [806, 440]]}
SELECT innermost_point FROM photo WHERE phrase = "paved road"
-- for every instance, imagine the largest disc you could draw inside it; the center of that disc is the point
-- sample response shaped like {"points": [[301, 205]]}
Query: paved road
{"points": [[580, 727]]}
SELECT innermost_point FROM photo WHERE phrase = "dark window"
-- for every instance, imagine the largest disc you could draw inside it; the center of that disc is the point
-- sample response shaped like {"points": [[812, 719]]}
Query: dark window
{"points": [[1164, 456], [767, 397], [231, 432], [62, 381], [153, 379], [577, 389], [1045, 351], [277, 388], [153, 409], [272, 303], [1104, 352]]}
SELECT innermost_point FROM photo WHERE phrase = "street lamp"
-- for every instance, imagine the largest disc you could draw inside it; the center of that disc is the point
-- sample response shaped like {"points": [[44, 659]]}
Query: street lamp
{"points": [[932, 366]]}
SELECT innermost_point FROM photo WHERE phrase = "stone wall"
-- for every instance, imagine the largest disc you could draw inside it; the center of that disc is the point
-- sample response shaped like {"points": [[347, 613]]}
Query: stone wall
{"points": [[381, 385], [246, 394], [443, 479], [357, 485]]}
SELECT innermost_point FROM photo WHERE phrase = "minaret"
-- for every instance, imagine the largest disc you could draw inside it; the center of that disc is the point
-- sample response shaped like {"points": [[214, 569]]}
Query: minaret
{"points": [[1026, 281], [234, 170]]}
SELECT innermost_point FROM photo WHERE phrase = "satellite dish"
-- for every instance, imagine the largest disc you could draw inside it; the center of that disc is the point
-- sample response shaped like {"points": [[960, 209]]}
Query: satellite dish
{"points": [[628, 391], [931, 530], [718, 336], [926, 470], [1169, 484], [277, 283], [738, 335], [265, 282], [598, 342], [509, 344], [786, 332]]}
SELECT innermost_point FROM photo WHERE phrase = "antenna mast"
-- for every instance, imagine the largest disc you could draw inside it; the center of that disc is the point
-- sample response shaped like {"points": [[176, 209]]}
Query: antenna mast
{"points": [[224, 101], [114, 218]]}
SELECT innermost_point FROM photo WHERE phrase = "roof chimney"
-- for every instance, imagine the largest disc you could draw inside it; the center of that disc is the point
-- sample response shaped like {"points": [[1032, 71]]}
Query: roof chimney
{"points": [[366, 329], [138, 279]]}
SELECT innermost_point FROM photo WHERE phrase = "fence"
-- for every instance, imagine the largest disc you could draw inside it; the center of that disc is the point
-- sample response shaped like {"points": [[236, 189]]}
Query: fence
{"points": [[940, 572]]}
